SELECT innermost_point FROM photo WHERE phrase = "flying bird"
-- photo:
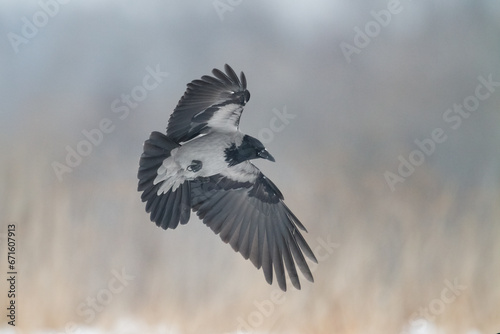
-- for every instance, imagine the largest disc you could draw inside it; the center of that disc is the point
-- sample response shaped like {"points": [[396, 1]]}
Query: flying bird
{"points": [[203, 164]]}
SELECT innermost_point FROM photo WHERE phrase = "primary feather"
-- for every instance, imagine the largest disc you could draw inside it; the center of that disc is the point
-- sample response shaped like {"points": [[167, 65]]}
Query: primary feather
{"points": [[209, 104]]}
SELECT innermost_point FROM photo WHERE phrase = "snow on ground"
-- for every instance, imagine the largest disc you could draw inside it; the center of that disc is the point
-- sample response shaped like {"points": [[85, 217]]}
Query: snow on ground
{"points": [[128, 326], [124, 326], [422, 326]]}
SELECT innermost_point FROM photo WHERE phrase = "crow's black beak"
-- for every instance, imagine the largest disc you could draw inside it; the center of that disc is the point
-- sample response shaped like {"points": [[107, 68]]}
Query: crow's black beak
{"points": [[266, 155]]}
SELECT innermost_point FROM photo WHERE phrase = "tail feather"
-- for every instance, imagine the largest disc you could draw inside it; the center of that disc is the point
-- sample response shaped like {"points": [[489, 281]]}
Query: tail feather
{"points": [[169, 208]]}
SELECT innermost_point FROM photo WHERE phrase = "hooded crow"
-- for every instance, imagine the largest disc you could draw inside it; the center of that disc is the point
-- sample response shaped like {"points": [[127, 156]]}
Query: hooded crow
{"points": [[203, 164]]}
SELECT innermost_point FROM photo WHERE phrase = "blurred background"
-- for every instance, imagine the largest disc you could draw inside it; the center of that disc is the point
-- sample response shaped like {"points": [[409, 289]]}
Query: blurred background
{"points": [[388, 153]]}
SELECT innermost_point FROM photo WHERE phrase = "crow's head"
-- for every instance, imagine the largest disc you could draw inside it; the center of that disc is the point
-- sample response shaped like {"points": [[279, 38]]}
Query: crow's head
{"points": [[250, 148]]}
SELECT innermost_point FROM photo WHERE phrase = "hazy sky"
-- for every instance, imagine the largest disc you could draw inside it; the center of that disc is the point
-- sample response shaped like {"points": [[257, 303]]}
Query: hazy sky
{"points": [[63, 76]]}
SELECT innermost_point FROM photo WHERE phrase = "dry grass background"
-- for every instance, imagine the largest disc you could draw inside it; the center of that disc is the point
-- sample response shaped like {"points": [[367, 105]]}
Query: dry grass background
{"points": [[392, 256], [394, 251]]}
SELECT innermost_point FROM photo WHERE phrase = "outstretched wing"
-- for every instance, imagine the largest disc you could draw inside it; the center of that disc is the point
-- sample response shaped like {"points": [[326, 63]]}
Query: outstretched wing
{"points": [[247, 210], [212, 102]]}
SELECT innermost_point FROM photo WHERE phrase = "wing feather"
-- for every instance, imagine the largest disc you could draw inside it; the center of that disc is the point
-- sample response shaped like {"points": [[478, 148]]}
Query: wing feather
{"points": [[267, 263], [212, 103], [247, 211], [277, 249]]}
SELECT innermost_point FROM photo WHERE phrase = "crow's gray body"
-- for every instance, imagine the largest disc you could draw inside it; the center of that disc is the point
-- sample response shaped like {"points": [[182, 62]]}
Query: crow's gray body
{"points": [[175, 169], [203, 165]]}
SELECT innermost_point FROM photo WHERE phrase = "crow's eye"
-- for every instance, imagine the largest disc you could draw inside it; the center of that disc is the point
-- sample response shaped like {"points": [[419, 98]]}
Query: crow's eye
{"points": [[195, 166]]}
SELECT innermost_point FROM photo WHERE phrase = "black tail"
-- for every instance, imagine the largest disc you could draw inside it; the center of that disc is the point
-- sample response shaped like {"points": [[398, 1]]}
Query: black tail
{"points": [[170, 208]]}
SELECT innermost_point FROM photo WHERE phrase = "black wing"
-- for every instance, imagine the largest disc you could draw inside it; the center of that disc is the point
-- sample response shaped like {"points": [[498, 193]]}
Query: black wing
{"points": [[167, 208], [209, 103], [248, 212]]}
